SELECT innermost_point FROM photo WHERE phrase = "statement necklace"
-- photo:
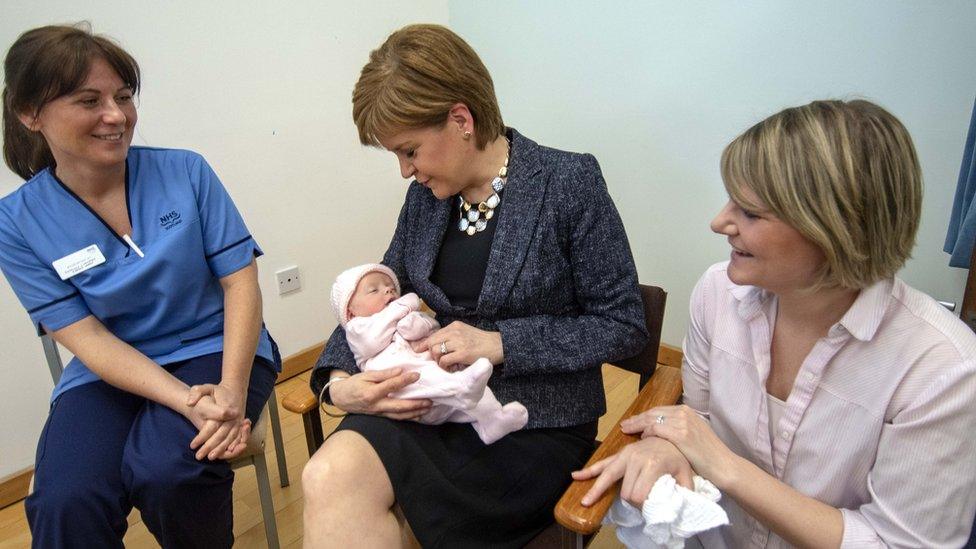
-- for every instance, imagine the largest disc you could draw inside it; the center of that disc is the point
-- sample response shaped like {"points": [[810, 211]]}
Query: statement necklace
{"points": [[474, 218]]}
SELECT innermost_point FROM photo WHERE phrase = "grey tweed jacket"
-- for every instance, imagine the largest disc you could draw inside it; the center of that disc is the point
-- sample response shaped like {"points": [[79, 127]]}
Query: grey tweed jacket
{"points": [[560, 287]]}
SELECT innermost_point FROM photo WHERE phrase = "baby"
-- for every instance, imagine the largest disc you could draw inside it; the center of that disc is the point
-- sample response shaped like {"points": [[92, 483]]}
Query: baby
{"points": [[379, 327]]}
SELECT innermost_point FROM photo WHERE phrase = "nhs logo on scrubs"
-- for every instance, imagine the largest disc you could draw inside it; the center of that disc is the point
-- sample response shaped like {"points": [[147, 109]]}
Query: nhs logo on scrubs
{"points": [[170, 220]]}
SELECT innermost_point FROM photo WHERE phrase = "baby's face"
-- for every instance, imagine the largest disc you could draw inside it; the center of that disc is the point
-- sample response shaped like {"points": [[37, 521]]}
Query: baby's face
{"points": [[373, 293]]}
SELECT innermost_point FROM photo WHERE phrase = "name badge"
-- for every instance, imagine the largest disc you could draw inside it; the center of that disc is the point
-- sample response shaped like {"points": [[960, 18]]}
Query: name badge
{"points": [[78, 262]]}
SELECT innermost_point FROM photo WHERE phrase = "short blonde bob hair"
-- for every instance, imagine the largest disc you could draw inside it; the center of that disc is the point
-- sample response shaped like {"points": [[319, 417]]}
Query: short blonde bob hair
{"points": [[414, 79], [844, 174]]}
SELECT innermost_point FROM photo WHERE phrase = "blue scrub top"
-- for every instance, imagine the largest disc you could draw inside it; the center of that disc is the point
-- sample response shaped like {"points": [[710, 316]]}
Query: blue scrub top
{"points": [[169, 304]]}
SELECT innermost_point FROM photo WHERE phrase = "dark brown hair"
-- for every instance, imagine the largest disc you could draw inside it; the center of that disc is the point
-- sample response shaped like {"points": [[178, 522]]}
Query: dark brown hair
{"points": [[414, 79], [42, 65]]}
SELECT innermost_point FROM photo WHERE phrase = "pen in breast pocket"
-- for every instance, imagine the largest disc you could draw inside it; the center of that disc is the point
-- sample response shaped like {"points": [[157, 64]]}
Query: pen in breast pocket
{"points": [[128, 240]]}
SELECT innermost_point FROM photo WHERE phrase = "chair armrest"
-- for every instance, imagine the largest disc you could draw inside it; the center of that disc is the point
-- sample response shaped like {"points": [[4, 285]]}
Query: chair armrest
{"points": [[303, 401], [300, 401], [663, 389]]}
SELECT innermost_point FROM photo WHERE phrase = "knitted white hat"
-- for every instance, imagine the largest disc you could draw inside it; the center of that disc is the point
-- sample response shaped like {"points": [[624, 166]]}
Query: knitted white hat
{"points": [[345, 285]]}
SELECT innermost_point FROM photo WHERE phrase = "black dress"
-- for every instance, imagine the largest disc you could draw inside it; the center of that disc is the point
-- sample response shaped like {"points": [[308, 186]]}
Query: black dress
{"points": [[454, 490]]}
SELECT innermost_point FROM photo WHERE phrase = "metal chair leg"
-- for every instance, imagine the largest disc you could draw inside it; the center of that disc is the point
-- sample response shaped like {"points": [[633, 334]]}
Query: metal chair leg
{"points": [[53, 357], [279, 443], [267, 503]]}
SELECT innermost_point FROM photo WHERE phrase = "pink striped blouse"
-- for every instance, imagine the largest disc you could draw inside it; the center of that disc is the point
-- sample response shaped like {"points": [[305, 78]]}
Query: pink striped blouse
{"points": [[880, 422]]}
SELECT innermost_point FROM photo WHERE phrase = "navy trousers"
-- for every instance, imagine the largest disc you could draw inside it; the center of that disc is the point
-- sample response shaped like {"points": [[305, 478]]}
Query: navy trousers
{"points": [[103, 451]]}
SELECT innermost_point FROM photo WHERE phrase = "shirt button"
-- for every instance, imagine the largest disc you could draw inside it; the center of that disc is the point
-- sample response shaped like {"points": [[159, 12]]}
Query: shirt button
{"points": [[785, 435], [810, 376]]}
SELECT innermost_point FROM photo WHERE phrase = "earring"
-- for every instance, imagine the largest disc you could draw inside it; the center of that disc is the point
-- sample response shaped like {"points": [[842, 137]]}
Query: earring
{"points": [[467, 135]]}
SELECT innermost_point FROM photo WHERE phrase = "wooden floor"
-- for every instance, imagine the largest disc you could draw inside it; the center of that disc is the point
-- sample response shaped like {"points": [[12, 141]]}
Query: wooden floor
{"points": [[621, 388]]}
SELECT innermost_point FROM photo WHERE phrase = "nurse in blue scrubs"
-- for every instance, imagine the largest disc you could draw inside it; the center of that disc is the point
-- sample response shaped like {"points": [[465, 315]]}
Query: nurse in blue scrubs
{"points": [[137, 261]]}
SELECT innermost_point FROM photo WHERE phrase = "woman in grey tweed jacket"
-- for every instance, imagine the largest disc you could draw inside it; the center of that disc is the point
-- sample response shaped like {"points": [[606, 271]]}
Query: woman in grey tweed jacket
{"points": [[547, 291]]}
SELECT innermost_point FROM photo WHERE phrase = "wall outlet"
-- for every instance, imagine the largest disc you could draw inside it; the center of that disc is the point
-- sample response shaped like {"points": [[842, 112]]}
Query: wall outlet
{"points": [[288, 280]]}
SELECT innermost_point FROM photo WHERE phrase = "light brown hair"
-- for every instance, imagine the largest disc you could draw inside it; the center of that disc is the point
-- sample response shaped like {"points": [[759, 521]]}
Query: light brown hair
{"points": [[42, 65], [413, 80], [844, 174]]}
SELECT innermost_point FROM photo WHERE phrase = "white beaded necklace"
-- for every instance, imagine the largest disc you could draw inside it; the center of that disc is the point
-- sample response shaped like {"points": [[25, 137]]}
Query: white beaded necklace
{"points": [[474, 219]]}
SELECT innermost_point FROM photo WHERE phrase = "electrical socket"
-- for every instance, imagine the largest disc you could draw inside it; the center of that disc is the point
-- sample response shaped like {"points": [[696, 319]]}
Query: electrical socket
{"points": [[288, 280]]}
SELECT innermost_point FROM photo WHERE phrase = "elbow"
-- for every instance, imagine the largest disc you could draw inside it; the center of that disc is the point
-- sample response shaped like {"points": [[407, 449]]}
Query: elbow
{"points": [[318, 379], [637, 339], [627, 341]]}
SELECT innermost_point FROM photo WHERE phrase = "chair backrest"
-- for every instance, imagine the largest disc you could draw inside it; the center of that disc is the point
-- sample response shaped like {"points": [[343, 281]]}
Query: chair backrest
{"points": [[53, 357], [645, 362]]}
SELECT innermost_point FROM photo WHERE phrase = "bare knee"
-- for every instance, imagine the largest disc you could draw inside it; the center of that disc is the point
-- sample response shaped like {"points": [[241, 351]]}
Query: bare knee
{"points": [[348, 496], [345, 469]]}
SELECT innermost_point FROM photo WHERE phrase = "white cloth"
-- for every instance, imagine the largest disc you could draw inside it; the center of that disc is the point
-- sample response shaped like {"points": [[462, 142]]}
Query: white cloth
{"points": [[670, 515]]}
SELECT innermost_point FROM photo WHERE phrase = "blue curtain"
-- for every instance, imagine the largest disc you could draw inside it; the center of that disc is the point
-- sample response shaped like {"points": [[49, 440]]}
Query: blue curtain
{"points": [[962, 224]]}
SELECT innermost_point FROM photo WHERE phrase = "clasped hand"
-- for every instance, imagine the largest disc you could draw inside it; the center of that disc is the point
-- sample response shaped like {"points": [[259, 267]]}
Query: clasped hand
{"points": [[217, 411]]}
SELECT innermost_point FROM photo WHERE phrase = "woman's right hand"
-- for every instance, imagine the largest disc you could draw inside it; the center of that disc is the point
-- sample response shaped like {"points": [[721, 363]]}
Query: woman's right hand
{"points": [[369, 393], [216, 439], [639, 465]]}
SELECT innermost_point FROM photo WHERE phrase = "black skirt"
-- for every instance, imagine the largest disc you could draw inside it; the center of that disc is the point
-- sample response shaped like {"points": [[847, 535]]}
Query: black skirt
{"points": [[455, 491]]}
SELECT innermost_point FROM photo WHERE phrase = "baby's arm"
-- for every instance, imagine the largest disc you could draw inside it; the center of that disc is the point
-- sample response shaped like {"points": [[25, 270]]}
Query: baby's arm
{"points": [[368, 335], [410, 302], [416, 325]]}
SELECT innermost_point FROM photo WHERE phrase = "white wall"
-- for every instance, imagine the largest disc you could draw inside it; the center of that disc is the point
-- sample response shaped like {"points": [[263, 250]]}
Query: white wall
{"points": [[656, 89], [653, 89], [264, 92]]}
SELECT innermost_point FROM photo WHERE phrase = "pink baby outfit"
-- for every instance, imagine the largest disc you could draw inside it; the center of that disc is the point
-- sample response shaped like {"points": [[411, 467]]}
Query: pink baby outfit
{"points": [[382, 341]]}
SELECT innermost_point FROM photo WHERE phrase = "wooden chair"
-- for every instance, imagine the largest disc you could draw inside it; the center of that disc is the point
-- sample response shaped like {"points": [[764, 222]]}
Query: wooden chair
{"points": [[575, 523], [253, 454], [580, 523], [303, 402]]}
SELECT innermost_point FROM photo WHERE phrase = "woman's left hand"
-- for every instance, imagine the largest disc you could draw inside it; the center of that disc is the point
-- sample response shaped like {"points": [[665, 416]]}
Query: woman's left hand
{"points": [[464, 344], [221, 439], [231, 397], [692, 435]]}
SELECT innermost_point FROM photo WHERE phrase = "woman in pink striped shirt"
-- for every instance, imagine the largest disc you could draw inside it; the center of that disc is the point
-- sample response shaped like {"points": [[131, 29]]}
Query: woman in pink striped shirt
{"points": [[829, 401]]}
